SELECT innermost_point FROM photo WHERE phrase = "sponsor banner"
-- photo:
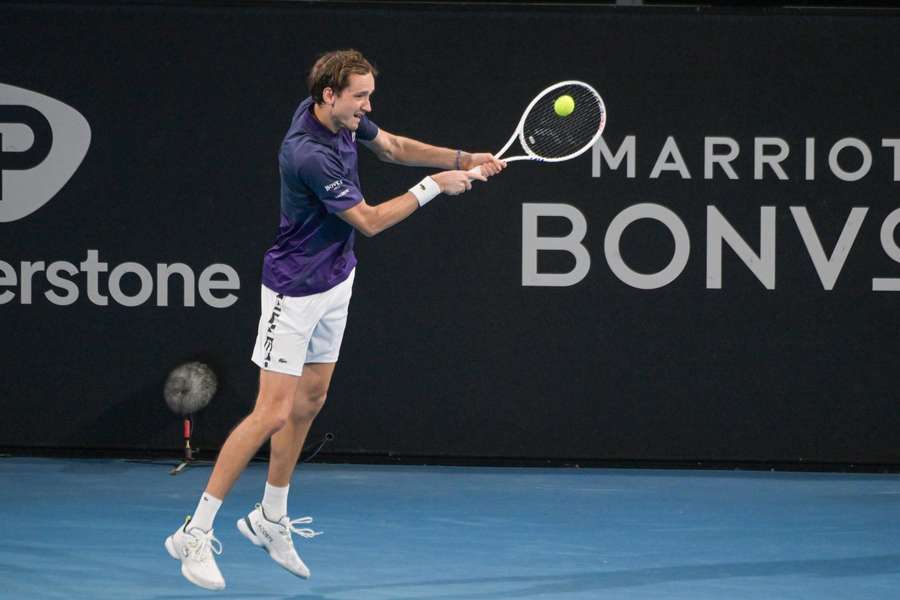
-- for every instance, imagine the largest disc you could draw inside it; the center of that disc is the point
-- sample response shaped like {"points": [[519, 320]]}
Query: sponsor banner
{"points": [[717, 279], [44, 142]]}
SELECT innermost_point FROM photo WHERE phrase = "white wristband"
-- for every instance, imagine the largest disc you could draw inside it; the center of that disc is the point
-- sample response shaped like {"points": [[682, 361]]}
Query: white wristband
{"points": [[425, 190]]}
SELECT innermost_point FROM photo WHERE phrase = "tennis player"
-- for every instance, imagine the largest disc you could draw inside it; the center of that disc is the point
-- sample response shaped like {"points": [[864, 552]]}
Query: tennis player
{"points": [[307, 280]]}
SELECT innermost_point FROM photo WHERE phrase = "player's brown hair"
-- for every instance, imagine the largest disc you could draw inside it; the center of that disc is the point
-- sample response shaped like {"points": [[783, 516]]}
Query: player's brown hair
{"points": [[333, 69]]}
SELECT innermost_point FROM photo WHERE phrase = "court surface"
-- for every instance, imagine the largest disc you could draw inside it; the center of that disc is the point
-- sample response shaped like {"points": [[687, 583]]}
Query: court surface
{"points": [[95, 529]]}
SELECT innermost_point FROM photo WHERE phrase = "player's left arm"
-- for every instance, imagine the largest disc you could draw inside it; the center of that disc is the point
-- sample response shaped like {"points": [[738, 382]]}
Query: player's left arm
{"points": [[413, 153]]}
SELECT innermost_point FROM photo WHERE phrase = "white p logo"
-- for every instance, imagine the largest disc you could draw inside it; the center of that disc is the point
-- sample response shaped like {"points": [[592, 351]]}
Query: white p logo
{"points": [[42, 144]]}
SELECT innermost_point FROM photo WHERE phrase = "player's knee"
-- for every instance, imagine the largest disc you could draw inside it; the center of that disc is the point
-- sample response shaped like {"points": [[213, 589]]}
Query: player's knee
{"points": [[317, 398], [272, 414], [306, 407], [267, 423], [274, 421]]}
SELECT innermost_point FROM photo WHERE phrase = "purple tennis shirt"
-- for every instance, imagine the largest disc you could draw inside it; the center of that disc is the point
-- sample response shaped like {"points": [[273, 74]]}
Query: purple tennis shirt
{"points": [[313, 250]]}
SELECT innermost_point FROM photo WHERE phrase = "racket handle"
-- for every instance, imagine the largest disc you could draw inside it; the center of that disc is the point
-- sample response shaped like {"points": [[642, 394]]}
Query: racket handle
{"points": [[475, 173]]}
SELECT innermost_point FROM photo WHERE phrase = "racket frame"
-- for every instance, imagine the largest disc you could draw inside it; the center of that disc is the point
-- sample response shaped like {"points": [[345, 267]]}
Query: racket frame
{"points": [[520, 133]]}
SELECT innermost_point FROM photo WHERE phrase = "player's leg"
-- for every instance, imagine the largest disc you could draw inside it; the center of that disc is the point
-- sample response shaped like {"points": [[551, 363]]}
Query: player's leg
{"points": [[288, 442], [268, 525], [270, 416], [280, 352], [321, 359], [194, 543]]}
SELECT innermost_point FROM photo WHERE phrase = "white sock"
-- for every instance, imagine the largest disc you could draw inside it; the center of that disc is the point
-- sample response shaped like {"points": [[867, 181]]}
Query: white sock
{"points": [[275, 501], [206, 512]]}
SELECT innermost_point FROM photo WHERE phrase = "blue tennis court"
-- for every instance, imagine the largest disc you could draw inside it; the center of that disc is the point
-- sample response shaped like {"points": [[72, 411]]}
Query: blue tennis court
{"points": [[95, 529]]}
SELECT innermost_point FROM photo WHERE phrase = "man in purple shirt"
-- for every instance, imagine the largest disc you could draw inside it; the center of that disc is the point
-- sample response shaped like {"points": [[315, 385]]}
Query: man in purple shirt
{"points": [[306, 286]]}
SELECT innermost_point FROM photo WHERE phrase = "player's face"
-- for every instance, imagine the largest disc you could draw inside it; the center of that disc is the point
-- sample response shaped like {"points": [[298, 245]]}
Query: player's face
{"points": [[354, 101]]}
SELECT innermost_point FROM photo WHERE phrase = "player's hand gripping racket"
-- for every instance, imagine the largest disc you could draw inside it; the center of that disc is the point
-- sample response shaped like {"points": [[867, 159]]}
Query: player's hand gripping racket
{"points": [[562, 122]]}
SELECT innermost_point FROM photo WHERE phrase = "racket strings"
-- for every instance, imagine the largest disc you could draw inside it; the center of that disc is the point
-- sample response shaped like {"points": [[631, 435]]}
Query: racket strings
{"points": [[549, 135]]}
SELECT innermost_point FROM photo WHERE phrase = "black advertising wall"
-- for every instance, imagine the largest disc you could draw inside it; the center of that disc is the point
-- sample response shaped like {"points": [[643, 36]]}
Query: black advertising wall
{"points": [[737, 310]]}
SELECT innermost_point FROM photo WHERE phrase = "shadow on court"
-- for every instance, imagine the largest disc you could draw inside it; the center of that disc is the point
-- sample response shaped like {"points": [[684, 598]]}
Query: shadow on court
{"points": [[558, 585], [238, 594]]}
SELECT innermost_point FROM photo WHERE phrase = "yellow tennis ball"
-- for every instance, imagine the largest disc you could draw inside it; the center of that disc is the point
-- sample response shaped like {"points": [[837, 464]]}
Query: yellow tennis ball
{"points": [[564, 105]]}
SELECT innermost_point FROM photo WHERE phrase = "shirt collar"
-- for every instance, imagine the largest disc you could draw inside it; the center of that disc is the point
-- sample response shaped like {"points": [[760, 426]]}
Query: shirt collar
{"points": [[312, 126]]}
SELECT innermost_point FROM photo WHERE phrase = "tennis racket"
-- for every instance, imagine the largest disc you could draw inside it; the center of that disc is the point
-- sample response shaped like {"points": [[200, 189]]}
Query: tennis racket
{"points": [[546, 136]]}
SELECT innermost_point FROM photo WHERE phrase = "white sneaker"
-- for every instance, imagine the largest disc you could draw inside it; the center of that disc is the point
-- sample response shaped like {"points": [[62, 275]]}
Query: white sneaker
{"points": [[275, 538], [194, 548]]}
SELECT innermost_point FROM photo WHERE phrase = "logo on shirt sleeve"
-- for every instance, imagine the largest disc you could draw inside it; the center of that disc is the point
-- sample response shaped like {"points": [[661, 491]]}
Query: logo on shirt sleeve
{"points": [[333, 185], [343, 193]]}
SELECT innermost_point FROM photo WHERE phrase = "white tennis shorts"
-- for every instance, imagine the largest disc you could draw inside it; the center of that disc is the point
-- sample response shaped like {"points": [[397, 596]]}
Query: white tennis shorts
{"points": [[294, 331]]}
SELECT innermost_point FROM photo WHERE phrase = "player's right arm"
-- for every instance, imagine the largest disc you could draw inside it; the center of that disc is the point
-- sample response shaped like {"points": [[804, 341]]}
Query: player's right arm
{"points": [[371, 220]]}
